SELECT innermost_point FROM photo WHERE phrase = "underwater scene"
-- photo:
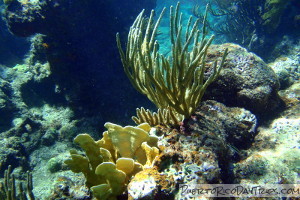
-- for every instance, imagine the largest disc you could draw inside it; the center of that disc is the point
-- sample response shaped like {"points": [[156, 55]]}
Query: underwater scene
{"points": [[149, 99]]}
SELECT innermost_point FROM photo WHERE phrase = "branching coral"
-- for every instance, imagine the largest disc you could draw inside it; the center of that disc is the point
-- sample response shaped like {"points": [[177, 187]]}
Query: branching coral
{"points": [[8, 189], [178, 82]]}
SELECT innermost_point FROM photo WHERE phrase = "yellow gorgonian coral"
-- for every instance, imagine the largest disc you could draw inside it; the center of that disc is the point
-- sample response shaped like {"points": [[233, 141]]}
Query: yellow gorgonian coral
{"points": [[177, 82]]}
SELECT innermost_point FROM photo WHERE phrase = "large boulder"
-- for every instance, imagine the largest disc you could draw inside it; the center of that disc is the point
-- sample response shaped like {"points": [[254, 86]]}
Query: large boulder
{"points": [[245, 81]]}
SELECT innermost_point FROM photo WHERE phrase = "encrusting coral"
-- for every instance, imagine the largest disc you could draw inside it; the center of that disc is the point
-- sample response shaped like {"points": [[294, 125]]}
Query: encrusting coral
{"points": [[110, 162], [176, 83]]}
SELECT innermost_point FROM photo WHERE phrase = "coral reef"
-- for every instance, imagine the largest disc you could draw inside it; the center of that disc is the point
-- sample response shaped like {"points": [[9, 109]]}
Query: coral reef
{"points": [[201, 153], [20, 122], [212, 147], [273, 158], [33, 114], [235, 138], [195, 155]]}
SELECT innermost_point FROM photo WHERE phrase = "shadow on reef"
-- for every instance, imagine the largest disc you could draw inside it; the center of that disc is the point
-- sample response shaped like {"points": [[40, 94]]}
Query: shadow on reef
{"points": [[79, 44], [33, 97], [7, 107], [12, 48]]}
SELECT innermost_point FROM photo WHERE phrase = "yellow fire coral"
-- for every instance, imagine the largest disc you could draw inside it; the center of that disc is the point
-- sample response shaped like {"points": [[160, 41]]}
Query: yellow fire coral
{"points": [[110, 162]]}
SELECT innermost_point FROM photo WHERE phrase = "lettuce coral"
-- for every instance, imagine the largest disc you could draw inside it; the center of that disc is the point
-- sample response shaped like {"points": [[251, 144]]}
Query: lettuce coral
{"points": [[109, 163]]}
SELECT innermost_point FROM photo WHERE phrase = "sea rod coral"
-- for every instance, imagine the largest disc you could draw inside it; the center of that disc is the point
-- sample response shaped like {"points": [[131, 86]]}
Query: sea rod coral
{"points": [[177, 82]]}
